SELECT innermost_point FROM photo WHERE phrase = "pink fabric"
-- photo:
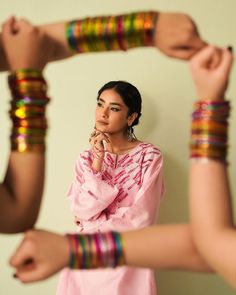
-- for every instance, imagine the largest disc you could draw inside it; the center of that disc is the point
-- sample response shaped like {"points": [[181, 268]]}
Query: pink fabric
{"points": [[125, 195]]}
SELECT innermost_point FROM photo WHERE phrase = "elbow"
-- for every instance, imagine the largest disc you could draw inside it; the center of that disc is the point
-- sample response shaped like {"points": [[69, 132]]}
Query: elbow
{"points": [[217, 248], [20, 223]]}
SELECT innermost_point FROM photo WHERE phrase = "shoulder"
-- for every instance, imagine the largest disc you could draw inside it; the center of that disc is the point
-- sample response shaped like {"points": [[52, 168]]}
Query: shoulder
{"points": [[150, 151], [151, 159]]}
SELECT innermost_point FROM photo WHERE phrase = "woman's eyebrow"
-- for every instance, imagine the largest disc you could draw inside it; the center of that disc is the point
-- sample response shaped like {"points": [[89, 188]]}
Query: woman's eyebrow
{"points": [[111, 103]]}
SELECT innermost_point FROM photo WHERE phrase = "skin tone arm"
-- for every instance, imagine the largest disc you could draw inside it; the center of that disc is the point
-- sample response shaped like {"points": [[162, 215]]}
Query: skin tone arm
{"points": [[3, 60], [22, 188], [169, 247], [176, 36], [210, 199]]}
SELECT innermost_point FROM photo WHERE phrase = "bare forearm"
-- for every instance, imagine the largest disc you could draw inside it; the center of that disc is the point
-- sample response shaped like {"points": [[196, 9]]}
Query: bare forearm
{"points": [[3, 60], [211, 216], [21, 192], [163, 247], [56, 34]]}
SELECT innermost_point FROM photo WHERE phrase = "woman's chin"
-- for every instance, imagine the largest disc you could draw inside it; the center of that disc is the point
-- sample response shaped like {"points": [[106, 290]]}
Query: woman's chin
{"points": [[103, 129]]}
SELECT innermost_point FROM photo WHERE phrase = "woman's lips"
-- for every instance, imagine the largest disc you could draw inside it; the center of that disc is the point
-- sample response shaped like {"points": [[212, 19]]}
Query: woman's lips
{"points": [[102, 122]]}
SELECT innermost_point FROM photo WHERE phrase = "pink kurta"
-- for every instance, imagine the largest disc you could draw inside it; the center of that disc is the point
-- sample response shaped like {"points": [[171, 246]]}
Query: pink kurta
{"points": [[125, 195]]}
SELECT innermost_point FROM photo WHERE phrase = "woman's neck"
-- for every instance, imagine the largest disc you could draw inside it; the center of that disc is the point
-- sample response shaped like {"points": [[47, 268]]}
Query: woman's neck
{"points": [[120, 144]]}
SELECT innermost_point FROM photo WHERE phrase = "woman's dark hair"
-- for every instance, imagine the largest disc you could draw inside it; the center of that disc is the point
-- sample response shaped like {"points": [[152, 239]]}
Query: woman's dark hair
{"points": [[129, 94]]}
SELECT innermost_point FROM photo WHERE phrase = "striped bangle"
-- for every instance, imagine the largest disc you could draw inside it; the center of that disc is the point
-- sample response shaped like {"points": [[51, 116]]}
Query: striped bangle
{"points": [[28, 107], [96, 250], [209, 132], [104, 33]]}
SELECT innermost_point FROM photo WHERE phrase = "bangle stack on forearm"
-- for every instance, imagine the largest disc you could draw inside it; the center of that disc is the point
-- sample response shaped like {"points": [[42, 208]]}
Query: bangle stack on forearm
{"points": [[28, 106], [210, 130], [96, 250], [112, 32]]}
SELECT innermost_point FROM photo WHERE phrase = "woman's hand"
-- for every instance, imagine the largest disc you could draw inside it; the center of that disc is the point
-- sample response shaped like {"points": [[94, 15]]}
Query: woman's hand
{"points": [[25, 45], [98, 140], [210, 76], [176, 35], [40, 255]]}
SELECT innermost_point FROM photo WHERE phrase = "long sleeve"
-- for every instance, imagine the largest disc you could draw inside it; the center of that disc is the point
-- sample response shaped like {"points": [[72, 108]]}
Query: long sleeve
{"points": [[147, 200], [89, 193]]}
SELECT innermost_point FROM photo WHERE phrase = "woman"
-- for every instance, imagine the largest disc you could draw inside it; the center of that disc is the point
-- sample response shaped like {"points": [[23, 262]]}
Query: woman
{"points": [[118, 186]]}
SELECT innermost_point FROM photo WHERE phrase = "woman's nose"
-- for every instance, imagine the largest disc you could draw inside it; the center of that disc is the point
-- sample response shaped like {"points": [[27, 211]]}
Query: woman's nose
{"points": [[105, 113]]}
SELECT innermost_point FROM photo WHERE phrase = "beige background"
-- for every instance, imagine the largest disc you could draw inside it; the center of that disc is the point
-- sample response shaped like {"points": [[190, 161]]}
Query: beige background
{"points": [[168, 94]]}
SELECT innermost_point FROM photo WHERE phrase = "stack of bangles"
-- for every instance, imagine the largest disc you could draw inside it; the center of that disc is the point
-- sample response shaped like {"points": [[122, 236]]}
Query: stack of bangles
{"points": [[28, 106], [89, 251], [210, 130], [106, 33]]}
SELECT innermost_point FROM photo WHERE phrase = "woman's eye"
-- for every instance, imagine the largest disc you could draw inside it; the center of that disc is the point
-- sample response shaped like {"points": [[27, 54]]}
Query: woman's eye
{"points": [[99, 104], [115, 109]]}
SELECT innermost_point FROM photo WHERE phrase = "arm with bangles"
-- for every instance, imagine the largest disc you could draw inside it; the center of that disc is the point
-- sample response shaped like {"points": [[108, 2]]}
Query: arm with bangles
{"points": [[22, 188], [163, 247], [210, 195], [174, 34]]}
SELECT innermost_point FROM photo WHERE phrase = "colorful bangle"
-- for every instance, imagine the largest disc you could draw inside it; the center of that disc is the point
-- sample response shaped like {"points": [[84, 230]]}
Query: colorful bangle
{"points": [[209, 132], [28, 107], [96, 250], [105, 33]]}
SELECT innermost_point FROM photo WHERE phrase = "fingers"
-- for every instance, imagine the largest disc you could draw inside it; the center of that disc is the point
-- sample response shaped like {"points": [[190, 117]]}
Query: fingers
{"points": [[186, 50], [13, 25], [7, 25], [211, 58], [97, 140], [203, 57], [182, 53], [226, 62], [98, 136], [22, 254], [37, 273]]}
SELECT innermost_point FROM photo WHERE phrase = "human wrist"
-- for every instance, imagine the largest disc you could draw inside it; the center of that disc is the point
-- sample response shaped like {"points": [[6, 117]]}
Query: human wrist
{"points": [[208, 95]]}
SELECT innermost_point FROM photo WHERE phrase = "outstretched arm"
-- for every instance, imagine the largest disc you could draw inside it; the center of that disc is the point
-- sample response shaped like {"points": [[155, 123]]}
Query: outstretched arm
{"points": [[42, 254], [210, 199], [22, 188], [174, 34]]}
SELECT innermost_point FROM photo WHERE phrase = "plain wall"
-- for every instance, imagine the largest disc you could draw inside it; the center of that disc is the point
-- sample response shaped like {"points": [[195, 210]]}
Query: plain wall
{"points": [[168, 95]]}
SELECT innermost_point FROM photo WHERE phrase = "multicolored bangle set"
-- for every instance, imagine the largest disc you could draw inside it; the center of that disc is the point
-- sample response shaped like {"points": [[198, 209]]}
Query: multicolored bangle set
{"points": [[28, 106], [88, 251], [209, 129], [105, 33]]}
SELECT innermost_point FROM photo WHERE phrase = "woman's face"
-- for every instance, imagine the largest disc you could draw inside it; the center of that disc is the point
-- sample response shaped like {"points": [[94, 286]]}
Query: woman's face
{"points": [[111, 112]]}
